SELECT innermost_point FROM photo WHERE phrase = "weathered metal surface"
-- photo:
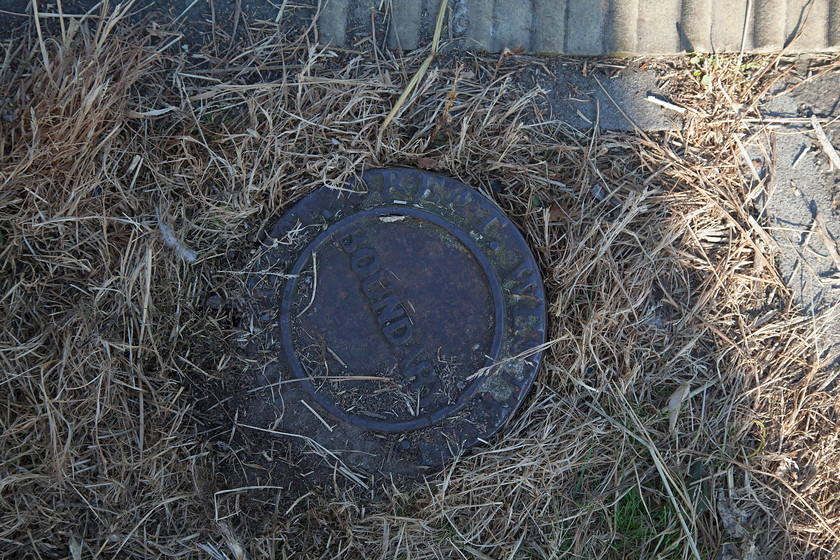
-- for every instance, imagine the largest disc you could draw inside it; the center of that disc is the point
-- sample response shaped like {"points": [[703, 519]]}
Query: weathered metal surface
{"points": [[398, 320]]}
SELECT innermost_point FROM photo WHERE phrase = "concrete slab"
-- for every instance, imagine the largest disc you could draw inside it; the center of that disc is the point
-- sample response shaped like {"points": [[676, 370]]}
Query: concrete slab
{"points": [[513, 25], [659, 21], [729, 33], [808, 20], [695, 27], [622, 26], [770, 18], [479, 14], [405, 25], [332, 23], [597, 27], [614, 102], [834, 22], [805, 191], [589, 27], [550, 27], [585, 26]]}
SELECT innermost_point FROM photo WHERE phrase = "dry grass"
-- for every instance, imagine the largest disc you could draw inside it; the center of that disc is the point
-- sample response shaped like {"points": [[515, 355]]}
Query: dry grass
{"points": [[681, 406]]}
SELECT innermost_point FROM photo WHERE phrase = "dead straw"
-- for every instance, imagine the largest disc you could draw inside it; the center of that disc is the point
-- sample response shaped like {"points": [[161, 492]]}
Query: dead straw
{"points": [[682, 408], [421, 72]]}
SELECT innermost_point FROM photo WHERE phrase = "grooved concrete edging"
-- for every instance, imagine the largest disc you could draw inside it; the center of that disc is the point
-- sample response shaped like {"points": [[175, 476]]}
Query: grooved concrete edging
{"points": [[598, 27]]}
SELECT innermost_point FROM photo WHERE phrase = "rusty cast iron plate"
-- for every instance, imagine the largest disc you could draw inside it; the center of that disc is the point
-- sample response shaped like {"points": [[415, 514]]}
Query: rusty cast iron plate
{"points": [[397, 321]]}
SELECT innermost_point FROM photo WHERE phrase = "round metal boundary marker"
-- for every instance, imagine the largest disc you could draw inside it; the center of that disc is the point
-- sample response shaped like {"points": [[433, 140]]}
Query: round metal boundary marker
{"points": [[399, 320]]}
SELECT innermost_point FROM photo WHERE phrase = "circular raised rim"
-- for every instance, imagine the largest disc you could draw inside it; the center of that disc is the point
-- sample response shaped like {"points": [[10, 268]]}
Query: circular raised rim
{"points": [[513, 268], [429, 419]]}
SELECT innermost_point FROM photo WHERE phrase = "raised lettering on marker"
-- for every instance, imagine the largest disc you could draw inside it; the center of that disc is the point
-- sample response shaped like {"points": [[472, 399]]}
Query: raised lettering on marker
{"points": [[390, 313]]}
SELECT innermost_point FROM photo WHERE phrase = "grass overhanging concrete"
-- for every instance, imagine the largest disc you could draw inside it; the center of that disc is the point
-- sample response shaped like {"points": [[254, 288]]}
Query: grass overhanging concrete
{"points": [[681, 406]]}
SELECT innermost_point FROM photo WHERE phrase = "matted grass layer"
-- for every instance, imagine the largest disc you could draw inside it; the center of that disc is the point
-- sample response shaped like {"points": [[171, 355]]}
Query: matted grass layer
{"points": [[681, 410]]}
